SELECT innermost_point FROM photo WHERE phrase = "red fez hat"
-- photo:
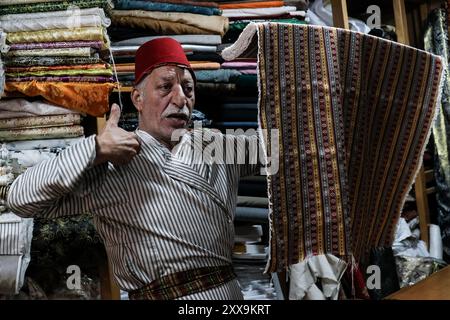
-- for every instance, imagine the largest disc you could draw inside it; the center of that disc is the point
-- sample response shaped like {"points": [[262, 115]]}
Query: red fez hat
{"points": [[156, 53]]}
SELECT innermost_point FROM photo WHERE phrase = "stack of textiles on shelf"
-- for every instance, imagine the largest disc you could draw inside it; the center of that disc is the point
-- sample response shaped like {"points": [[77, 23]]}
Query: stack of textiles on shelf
{"points": [[56, 50], [241, 13], [30, 132], [197, 26]]}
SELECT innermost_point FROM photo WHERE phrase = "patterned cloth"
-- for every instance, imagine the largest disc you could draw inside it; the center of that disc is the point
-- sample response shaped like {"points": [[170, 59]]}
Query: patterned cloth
{"points": [[93, 79], [49, 61], [41, 133], [54, 6], [184, 283], [43, 121], [57, 44], [351, 139]]}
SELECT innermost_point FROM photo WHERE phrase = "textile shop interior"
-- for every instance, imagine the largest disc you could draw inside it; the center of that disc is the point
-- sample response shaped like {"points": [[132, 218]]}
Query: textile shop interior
{"points": [[320, 223]]}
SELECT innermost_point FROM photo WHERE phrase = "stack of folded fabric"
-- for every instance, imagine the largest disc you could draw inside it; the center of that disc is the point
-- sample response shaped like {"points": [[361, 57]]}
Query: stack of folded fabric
{"points": [[30, 132], [198, 26], [241, 13], [55, 52]]}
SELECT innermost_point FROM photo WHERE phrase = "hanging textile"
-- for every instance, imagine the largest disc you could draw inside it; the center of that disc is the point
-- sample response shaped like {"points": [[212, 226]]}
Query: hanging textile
{"points": [[350, 142], [436, 41]]}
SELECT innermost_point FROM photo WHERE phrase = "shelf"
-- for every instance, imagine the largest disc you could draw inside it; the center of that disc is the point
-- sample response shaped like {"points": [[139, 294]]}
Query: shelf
{"points": [[124, 89]]}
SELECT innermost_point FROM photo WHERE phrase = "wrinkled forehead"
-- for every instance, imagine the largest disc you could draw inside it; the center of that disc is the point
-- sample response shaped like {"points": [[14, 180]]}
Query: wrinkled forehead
{"points": [[172, 71]]}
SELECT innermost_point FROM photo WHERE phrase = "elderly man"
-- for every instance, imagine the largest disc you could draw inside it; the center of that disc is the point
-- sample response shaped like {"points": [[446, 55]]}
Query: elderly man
{"points": [[166, 219]]}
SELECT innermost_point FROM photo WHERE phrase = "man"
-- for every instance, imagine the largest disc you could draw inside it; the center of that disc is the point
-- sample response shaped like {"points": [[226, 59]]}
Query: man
{"points": [[165, 218]]}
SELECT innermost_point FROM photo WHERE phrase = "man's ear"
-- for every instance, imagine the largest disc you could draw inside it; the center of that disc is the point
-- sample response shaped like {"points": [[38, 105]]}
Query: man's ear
{"points": [[137, 98]]}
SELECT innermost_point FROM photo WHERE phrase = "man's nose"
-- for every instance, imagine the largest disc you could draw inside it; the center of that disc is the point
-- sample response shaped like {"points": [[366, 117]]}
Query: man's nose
{"points": [[179, 98]]}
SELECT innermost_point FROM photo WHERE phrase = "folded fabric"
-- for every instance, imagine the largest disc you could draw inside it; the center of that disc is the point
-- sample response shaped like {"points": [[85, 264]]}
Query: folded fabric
{"points": [[49, 61], [41, 121], [17, 2], [64, 52], [162, 27], [90, 98], [13, 108], [258, 12], [93, 79], [214, 24], [64, 67], [54, 6], [68, 72], [56, 45], [30, 158], [195, 65], [41, 144], [191, 2], [220, 75], [251, 4], [15, 244], [41, 133], [239, 65], [54, 23], [88, 33], [205, 39], [70, 12], [161, 6]]}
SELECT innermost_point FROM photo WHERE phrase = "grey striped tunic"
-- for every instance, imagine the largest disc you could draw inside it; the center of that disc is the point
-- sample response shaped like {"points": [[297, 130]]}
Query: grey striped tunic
{"points": [[161, 213]]}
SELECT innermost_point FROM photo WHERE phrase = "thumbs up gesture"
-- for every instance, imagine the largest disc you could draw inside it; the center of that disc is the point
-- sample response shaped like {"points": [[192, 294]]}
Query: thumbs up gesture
{"points": [[114, 144]]}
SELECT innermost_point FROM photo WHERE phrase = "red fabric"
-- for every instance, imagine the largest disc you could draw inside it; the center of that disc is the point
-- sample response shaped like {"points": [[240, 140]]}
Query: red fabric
{"points": [[158, 52]]}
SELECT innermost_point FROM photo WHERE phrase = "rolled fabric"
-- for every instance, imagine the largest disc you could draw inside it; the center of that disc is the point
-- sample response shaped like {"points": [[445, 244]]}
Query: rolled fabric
{"points": [[436, 250]]}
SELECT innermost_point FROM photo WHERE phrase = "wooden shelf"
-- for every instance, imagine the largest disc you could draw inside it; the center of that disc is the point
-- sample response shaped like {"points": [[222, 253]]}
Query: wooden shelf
{"points": [[124, 89], [434, 287]]}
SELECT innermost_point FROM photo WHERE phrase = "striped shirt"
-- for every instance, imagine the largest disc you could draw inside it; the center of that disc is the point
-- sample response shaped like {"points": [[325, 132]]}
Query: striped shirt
{"points": [[161, 213]]}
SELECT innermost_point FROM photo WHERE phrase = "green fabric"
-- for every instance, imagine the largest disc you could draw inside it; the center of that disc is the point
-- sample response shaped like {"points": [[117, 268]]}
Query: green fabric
{"points": [[53, 6]]}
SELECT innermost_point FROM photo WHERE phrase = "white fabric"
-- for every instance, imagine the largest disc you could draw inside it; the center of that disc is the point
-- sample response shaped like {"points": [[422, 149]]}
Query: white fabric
{"points": [[54, 23], [15, 243], [406, 244], [436, 250], [40, 144], [15, 108], [257, 12], [325, 268], [205, 39], [57, 14]]}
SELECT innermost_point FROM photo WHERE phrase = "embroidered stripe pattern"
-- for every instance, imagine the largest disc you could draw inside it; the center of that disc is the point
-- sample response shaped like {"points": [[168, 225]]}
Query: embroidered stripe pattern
{"points": [[353, 113]]}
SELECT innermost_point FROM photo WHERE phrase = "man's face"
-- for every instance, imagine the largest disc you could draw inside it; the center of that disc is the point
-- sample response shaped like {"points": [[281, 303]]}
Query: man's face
{"points": [[165, 101]]}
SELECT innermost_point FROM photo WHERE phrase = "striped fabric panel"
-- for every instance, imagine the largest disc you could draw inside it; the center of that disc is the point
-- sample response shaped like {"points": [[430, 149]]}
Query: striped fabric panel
{"points": [[10, 237], [353, 113]]}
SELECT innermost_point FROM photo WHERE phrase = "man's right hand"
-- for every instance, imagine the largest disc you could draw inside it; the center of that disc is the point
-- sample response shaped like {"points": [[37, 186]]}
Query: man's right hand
{"points": [[114, 144]]}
